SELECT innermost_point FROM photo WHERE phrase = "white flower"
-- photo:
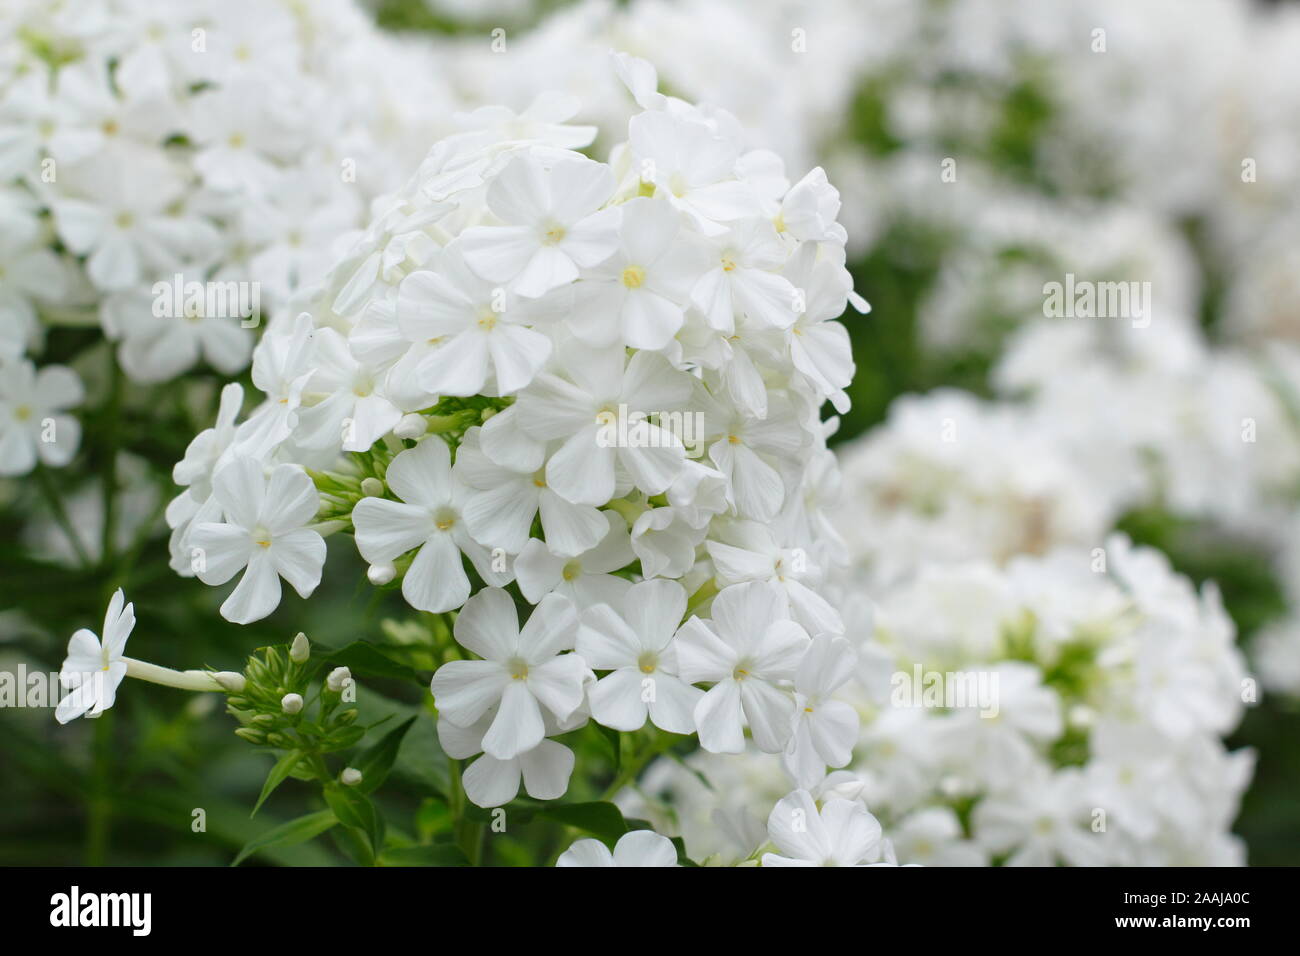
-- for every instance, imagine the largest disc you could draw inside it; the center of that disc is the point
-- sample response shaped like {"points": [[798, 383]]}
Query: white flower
{"points": [[933, 837], [742, 280], [819, 346], [691, 166], [94, 668], [282, 367], [208, 447], [748, 551], [638, 296], [841, 833], [490, 782], [264, 532], [544, 121], [664, 540], [636, 848], [550, 204], [586, 578], [603, 395], [506, 500], [119, 214], [809, 209], [429, 517], [482, 332], [156, 348], [634, 641], [522, 673], [32, 424], [1041, 821], [752, 452], [355, 414], [825, 730], [748, 648]]}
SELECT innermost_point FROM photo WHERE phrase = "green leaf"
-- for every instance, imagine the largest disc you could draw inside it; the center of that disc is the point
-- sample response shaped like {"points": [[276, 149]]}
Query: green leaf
{"points": [[355, 810], [600, 819], [378, 760], [289, 834], [437, 854], [366, 660], [282, 769]]}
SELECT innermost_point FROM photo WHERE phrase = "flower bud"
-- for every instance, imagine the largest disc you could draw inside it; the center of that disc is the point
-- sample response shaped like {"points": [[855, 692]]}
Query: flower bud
{"points": [[251, 735], [350, 777], [372, 487], [381, 574], [411, 426], [848, 788], [338, 679], [300, 649], [291, 703], [230, 681]]}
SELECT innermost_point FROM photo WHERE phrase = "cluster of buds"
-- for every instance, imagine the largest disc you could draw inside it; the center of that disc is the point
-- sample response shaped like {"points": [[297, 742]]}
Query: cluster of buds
{"points": [[273, 708]]}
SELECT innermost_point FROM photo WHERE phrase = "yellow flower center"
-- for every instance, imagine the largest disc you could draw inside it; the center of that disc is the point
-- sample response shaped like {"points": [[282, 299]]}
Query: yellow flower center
{"points": [[633, 277]]}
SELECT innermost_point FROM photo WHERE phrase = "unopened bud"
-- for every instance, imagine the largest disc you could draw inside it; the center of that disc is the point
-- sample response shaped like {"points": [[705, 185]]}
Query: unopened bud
{"points": [[338, 679], [300, 649], [381, 574], [291, 703], [411, 426], [350, 777], [848, 789], [251, 735], [372, 487], [230, 681]]}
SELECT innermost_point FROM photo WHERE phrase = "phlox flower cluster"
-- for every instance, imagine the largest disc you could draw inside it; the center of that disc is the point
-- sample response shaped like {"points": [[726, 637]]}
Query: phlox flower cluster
{"points": [[574, 406]]}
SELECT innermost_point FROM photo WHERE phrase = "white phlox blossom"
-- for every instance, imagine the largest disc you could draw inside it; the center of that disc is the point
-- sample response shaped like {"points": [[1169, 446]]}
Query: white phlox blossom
{"points": [[518, 393]]}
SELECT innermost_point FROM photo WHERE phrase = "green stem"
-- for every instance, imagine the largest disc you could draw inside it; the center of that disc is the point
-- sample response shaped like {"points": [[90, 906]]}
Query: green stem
{"points": [[112, 441], [100, 819], [632, 768], [60, 513], [99, 806]]}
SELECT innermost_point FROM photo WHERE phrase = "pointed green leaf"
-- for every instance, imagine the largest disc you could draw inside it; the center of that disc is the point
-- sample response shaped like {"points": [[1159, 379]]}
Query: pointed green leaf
{"points": [[600, 819], [279, 773], [437, 854], [289, 834], [376, 763]]}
